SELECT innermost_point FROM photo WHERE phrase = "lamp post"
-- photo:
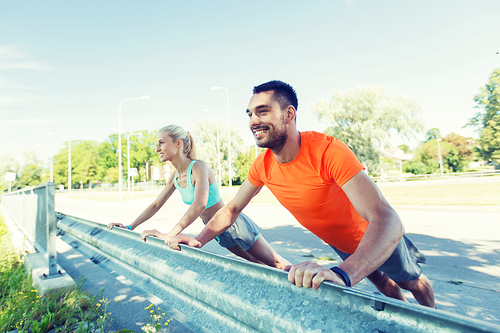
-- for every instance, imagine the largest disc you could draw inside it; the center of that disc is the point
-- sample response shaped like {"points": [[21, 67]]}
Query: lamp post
{"points": [[120, 171], [128, 157], [218, 153], [69, 164], [69, 168], [440, 158], [228, 134]]}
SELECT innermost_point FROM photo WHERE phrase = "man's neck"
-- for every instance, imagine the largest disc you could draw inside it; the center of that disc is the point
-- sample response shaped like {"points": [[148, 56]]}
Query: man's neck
{"points": [[290, 150]]}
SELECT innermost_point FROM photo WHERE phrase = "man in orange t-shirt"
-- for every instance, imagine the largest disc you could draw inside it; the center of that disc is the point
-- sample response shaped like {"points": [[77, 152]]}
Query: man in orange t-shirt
{"points": [[322, 183]]}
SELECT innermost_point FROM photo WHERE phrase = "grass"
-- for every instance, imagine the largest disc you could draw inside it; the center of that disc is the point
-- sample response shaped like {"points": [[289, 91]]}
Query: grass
{"points": [[480, 194], [68, 310], [24, 310]]}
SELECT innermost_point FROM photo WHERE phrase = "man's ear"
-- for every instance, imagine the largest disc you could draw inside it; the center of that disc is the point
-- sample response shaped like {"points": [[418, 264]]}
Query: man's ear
{"points": [[290, 113]]}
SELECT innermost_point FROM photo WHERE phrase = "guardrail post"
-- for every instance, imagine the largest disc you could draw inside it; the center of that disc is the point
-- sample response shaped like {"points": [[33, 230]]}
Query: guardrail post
{"points": [[50, 216]]}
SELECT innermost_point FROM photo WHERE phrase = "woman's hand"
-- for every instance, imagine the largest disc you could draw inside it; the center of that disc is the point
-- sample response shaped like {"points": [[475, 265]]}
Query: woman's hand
{"points": [[146, 233], [116, 224]]}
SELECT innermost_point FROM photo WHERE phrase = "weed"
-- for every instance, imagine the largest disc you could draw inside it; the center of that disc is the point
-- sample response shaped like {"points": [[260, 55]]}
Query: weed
{"points": [[24, 310], [328, 258], [156, 320]]}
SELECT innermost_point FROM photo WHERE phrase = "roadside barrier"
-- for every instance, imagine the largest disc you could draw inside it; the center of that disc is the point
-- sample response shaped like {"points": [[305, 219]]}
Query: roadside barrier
{"points": [[228, 295], [32, 210]]}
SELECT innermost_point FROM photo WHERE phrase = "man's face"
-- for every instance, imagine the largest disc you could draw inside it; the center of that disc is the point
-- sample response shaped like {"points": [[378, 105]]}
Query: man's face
{"points": [[267, 121]]}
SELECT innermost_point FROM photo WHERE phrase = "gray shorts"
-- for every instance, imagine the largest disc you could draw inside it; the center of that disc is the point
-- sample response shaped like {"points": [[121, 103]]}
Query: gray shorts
{"points": [[402, 265], [242, 233]]}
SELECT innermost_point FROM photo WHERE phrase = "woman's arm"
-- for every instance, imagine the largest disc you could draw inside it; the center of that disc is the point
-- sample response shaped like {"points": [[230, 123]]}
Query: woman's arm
{"points": [[151, 209], [221, 220], [200, 177]]}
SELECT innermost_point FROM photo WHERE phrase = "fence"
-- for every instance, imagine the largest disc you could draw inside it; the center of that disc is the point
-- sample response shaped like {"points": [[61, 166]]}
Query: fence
{"points": [[406, 177], [32, 209], [228, 295]]}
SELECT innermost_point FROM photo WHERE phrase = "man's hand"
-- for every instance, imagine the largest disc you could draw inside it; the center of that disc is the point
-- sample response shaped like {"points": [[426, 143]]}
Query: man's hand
{"points": [[151, 232], [309, 274], [115, 224], [174, 241]]}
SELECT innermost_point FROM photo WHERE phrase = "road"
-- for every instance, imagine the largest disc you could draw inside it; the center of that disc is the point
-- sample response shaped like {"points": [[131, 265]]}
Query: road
{"points": [[462, 245]]}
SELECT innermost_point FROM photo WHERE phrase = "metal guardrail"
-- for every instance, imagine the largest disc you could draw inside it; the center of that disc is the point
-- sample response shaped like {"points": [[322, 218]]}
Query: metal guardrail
{"points": [[228, 295], [399, 178], [32, 210]]}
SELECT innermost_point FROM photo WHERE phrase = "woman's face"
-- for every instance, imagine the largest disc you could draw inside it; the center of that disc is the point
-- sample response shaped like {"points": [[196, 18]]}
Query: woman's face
{"points": [[166, 148]]}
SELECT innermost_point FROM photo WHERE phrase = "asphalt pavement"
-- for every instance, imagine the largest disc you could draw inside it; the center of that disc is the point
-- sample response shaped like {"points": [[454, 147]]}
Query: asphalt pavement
{"points": [[461, 244]]}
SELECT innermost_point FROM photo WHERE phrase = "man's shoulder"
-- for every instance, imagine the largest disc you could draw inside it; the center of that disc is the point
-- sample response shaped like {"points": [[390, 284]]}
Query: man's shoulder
{"points": [[318, 141], [326, 148]]}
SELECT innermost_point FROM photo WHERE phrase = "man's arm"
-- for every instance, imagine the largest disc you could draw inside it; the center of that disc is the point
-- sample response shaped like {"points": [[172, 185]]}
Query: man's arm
{"points": [[382, 234], [379, 241], [223, 219]]}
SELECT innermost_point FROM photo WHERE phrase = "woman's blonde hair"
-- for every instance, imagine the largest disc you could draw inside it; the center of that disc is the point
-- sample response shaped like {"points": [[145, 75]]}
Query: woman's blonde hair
{"points": [[176, 132]]}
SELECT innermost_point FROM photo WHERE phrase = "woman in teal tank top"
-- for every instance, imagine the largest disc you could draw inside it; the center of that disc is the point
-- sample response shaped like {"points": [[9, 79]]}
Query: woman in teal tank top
{"points": [[196, 183]]}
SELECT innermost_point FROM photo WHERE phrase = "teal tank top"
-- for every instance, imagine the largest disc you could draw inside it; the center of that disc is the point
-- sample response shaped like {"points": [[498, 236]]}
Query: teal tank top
{"points": [[188, 192]]}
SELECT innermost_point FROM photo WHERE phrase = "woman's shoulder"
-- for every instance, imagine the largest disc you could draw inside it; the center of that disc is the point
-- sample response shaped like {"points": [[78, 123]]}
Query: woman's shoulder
{"points": [[200, 166]]}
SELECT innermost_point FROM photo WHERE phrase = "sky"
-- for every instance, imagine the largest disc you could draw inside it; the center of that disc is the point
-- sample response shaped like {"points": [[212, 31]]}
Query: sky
{"points": [[65, 66]]}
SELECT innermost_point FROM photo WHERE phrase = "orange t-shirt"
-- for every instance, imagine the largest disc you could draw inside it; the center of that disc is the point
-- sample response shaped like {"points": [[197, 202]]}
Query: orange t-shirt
{"points": [[310, 188]]}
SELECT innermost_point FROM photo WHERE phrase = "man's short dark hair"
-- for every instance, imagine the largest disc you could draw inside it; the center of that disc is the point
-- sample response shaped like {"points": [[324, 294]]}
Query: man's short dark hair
{"points": [[283, 93]]}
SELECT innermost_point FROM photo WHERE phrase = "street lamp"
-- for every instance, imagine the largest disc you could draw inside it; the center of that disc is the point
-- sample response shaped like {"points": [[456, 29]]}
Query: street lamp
{"points": [[218, 153], [69, 164], [69, 167], [228, 134], [440, 158], [120, 171], [128, 157]]}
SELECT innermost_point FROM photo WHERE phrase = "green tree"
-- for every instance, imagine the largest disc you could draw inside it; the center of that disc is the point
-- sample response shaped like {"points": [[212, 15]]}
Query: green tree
{"points": [[489, 141], [60, 166], [8, 163], [456, 152], [142, 152], [243, 162], [488, 100], [464, 151], [404, 148], [84, 163], [433, 133], [415, 167], [428, 155], [205, 138], [31, 173], [107, 160], [365, 118]]}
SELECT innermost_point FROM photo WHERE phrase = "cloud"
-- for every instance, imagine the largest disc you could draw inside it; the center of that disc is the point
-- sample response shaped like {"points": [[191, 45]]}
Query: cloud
{"points": [[12, 52], [9, 100], [23, 65], [14, 58], [7, 123], [9, 84]]}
